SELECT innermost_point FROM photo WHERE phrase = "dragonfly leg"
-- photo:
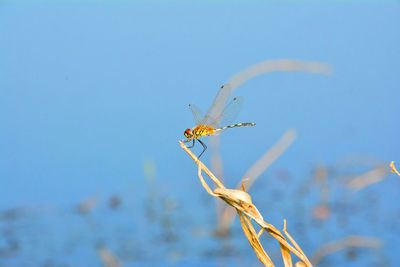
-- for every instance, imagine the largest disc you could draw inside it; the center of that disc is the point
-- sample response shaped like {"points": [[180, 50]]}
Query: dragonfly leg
{"points": [[204, 146], [191, 145]]}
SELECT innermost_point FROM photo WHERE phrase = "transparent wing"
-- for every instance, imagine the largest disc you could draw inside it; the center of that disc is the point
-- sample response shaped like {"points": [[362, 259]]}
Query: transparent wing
{"points": [[220, 101], [228, 114], [197, 114]]}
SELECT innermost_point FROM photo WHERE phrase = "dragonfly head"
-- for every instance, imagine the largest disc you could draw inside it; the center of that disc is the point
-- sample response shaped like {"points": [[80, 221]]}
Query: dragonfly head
{"points": [[188, 133]]}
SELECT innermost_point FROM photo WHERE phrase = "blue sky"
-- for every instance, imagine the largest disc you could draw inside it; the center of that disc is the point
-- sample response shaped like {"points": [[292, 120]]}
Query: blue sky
{"points": [[84, 81]]}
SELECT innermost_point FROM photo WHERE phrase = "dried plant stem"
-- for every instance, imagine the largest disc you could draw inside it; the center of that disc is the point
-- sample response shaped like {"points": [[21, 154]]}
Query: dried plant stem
{"points": [[254, 242], [241, 201], [393, 168]]}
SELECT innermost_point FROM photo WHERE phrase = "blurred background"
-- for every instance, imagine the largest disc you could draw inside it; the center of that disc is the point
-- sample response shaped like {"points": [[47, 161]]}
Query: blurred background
{"points": [[94, 98]]}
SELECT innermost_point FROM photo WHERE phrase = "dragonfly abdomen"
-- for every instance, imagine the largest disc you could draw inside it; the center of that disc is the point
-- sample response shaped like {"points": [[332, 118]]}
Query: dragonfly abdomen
{"points": [[235, 125]]}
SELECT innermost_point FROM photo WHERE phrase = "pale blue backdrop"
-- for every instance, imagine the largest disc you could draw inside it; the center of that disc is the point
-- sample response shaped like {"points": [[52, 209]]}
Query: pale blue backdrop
{"points": [[91, 91]]}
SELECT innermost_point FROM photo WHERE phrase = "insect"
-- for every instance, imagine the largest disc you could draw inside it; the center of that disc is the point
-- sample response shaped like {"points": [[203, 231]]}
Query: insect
{"points": [[207, 125]]}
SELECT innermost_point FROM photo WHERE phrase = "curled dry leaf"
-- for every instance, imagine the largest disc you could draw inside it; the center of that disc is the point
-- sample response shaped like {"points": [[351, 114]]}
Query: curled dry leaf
{"points": [[240, 200]]}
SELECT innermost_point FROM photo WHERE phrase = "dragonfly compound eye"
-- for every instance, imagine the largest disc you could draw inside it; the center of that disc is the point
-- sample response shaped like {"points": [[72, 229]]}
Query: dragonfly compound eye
{"points": [[188, 133]]}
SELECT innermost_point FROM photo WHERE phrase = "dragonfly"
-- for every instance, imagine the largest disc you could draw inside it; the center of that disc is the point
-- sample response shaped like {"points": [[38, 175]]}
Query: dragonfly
{"points": [[210, 125]]}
